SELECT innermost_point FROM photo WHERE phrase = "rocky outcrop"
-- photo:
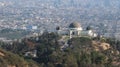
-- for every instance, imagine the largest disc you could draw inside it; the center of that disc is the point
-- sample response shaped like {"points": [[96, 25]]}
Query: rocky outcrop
{"points": [[2, 54], [98, 46]]}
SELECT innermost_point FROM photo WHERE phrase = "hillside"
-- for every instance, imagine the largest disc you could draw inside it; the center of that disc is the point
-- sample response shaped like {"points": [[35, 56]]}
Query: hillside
{"points": [[49, 50], [8, 59]]}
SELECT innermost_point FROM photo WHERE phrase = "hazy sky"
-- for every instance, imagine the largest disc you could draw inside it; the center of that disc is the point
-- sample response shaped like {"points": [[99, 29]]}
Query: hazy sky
{"points": [[91, 3]]}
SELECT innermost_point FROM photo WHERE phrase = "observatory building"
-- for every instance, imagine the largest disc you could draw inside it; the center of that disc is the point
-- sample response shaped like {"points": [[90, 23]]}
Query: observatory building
{"points": [[75, 30]]}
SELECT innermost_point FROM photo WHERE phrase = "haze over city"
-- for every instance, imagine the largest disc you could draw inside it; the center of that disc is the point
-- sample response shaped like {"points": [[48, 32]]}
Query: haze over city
{"points": [[101, 15]]}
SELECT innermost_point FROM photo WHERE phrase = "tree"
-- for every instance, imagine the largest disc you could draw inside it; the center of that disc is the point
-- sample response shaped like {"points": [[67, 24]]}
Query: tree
{"points": [[89, 28], [47, 44], [70, 61], [98, 58]]}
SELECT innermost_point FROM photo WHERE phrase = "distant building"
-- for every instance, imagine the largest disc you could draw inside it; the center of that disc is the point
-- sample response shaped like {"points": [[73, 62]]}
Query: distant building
{"points": [[34, 27], [32, 53], [29, 27]]}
